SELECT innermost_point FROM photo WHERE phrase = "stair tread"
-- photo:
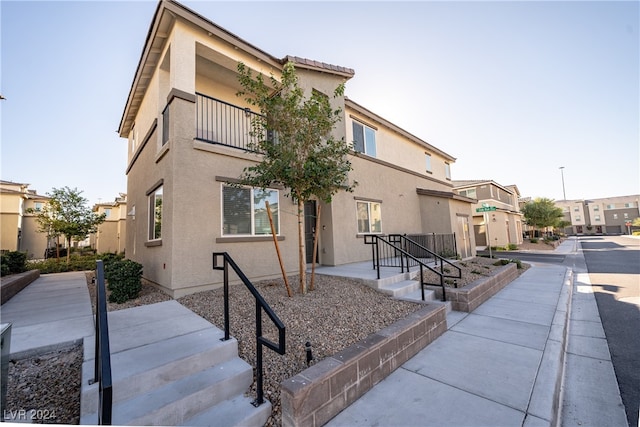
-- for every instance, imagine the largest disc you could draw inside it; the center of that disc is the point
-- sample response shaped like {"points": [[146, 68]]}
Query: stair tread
{"points": [[238, 411], [128, 411], [145, 358]]}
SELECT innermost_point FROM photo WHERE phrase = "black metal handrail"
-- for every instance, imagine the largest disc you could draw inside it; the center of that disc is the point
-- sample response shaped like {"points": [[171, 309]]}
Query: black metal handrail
{"points": [[102, 359], [219, 122], [421, 251], [261, 305], [395, 252]]}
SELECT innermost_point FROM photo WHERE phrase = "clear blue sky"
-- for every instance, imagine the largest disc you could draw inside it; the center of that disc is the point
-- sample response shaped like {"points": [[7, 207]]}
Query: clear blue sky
{"points": [[513, 90]]}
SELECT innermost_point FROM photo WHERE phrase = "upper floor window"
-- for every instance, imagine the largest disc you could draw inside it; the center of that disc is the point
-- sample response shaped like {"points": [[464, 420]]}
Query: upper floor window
{"points": [[369, 215], [244, 211], [155, 214], [628, 205], [626, 215], [134, 139], [447, 170], [615, 216], [107, 212], [576, 209], [597, 217], [470, 192], [611, 206], [578, 218], [38, 206], [596, 208], [364, 139], [165, 125], [427, 157]]}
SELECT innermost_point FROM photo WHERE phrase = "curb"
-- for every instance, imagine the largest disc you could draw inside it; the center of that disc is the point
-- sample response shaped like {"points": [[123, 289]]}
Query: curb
{"points": [[558, 393], [545, 400]]}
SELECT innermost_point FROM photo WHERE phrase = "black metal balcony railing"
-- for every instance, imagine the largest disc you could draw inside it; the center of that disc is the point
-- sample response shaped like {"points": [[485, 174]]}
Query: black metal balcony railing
{"points": [[219, 122]]}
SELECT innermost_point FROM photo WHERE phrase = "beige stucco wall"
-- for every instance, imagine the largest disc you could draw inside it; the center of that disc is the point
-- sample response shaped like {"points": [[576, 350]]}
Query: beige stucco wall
{"points": [[9, 228], [193, 173]]}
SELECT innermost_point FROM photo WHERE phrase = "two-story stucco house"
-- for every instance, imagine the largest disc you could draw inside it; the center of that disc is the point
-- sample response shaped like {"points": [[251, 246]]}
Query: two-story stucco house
{"points": [[503, 225], [112, 233], [19, 206], [187, 132]]}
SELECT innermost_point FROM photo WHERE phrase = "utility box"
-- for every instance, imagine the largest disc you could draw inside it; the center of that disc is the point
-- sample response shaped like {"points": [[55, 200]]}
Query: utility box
{"points": [[5, 347]]}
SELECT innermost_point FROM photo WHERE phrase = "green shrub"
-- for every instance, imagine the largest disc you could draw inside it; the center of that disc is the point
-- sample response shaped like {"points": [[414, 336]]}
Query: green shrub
{"points": [[13, 262], [533, 240], [123, 280], [517, 262], [501, 262], [513, 246]]}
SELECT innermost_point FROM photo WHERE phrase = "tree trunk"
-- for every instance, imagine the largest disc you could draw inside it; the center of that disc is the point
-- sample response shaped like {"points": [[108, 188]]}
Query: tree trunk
{"points": [[68, 249], [302, 265], [315, 249]]}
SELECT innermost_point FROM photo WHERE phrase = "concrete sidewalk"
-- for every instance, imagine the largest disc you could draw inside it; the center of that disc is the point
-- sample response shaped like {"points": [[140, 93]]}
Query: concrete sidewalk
{"points": [[53, 311], [504, 364]]}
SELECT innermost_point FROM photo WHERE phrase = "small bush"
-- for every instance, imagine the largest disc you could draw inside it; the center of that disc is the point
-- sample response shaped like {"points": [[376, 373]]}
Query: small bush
{"points": [[517, 262], [13, 262], [533, 240], [123, 280], [513, 246], [501, 262]]}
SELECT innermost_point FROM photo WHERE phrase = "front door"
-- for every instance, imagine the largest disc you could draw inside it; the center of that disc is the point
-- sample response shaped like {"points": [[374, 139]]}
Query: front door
{"points": [[309, 229], [463, 230]]}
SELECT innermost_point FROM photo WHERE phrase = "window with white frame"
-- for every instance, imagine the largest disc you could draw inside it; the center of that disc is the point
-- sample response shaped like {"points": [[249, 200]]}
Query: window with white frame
{"points": [[364, 139], [244, 211], [615, 216], [427, 157], [155, 214], [469, 192], [38, 206], [597, 218], [447, 170], [369, 216], [626, 215], [107, 212]]}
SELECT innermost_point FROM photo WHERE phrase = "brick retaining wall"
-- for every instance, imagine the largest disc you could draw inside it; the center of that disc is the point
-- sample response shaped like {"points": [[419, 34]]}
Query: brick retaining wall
{"points": [[11, 285], [471, 296], [320, 392]]}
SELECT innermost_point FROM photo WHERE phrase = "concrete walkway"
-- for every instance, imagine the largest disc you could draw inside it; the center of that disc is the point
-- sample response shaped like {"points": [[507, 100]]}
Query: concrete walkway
{"points": [[506, 364], [53, 311], [511, 362]]}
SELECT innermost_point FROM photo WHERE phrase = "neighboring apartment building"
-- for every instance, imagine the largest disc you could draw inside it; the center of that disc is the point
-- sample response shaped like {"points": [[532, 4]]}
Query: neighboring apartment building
{"points": [[609, 215], [502, 225], [19, 228], [112, 233], [187, 132]]}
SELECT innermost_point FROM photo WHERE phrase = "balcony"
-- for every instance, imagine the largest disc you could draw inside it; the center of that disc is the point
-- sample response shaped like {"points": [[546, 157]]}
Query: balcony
{"points": [[219, 122]]}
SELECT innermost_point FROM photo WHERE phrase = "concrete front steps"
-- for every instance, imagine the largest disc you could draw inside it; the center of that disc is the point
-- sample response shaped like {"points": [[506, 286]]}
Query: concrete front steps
{"points": [[169, 367], [405, 286]]}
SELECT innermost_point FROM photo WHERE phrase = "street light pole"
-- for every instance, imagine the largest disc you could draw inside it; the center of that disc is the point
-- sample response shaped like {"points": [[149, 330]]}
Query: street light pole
{"points": [[562, 174]]}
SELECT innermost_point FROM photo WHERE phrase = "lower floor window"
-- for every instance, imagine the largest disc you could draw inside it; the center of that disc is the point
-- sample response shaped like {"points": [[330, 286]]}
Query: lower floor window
{"points": [[155, 214], [369, 217], [244, 211]]}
